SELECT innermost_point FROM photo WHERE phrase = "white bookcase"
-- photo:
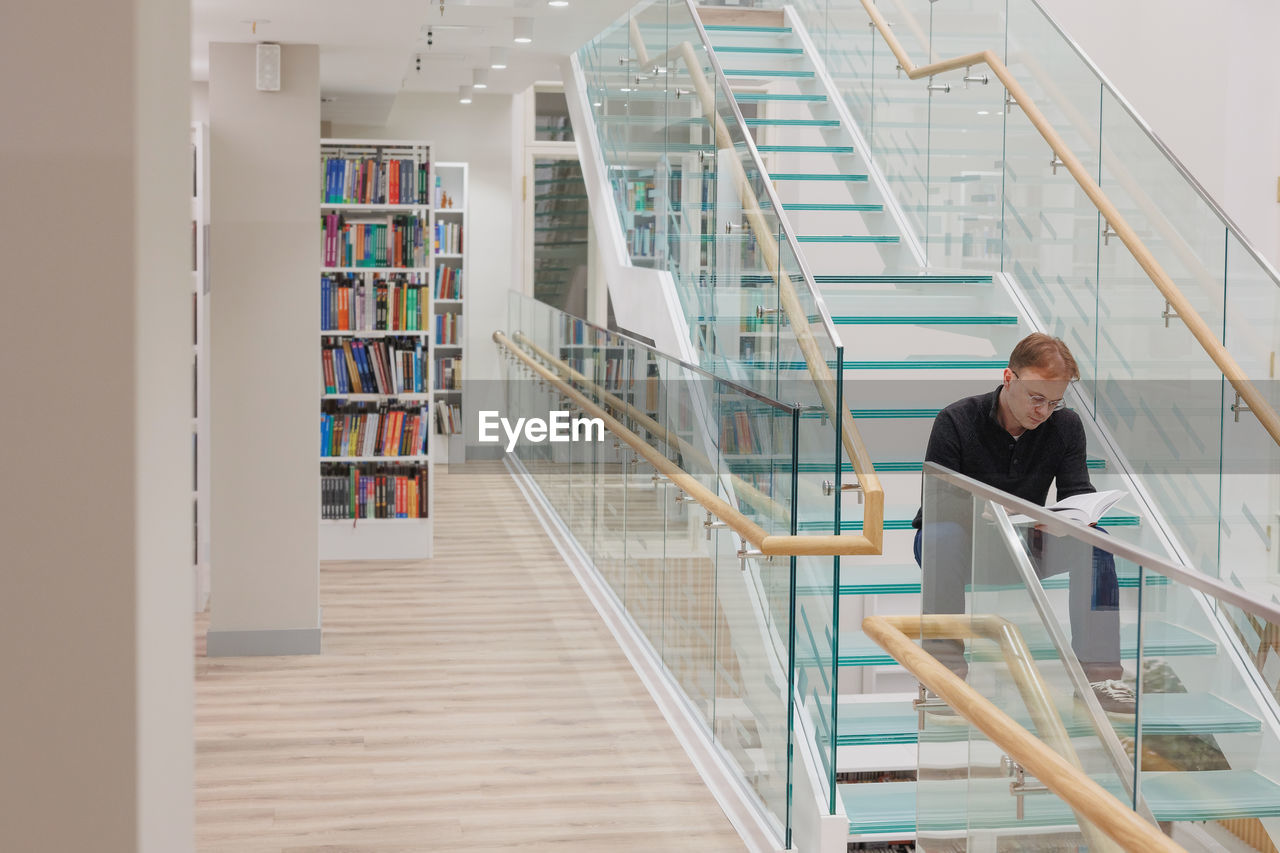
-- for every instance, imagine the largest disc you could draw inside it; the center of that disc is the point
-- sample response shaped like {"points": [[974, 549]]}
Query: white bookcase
{"points": [[450, 214], [200, 360], [387, 313]]}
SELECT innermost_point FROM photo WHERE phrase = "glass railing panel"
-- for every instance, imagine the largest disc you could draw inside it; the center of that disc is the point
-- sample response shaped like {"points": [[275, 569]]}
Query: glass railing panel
{"points": [[721, 624], [754, 682], [899, 135], [1172, 706], [965, 128], [1250, 530], [1051, 228], [689, 591], [1052, 595], [1158, 392]]}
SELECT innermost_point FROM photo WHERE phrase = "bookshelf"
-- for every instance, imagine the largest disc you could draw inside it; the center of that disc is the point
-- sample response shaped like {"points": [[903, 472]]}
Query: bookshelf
{"points": [[199, 362], [449, 291], [376, 352]]}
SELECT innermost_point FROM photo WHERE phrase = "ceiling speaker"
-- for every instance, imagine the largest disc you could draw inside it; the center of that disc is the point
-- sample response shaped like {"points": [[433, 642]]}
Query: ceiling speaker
{"points": [[268, 68]]}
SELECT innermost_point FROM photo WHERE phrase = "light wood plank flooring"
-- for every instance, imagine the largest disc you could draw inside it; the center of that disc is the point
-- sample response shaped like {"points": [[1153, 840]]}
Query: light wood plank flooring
{"points": [[474, 701]]}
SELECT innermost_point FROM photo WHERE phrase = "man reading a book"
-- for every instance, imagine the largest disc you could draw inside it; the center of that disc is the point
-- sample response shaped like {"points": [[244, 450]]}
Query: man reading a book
{"points": [[1020, 438]]}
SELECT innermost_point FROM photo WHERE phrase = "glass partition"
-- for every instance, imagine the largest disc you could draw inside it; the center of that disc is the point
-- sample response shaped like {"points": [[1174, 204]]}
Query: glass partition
{"points": [[1150, 695], [694, 200], [721, 618]]}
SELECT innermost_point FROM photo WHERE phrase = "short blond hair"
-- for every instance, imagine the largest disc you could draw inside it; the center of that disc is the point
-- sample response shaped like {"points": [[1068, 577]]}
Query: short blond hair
{"points": [[1044, 352]]}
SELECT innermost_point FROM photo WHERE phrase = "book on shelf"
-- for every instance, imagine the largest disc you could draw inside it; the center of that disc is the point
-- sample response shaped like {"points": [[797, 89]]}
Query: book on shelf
{"points": [[449, 374], [385, 431], [448, 418], [397, 492], [448, 329], [399, 241], [448, 283], [371, 180], [1085, 509], [353, 302], [741, 433], [448, 238], [383, 366]]}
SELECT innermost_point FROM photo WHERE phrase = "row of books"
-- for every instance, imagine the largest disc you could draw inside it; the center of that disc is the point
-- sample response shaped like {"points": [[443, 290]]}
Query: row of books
{"points": [[371, 180], [636, 194], [398, 242], [640, 241], [448, 238], [386, 432], [391, 494], [448, 418], [348, 301], [448, 282], [740, 433], [449, 374], [448, 329], [385, 366]]}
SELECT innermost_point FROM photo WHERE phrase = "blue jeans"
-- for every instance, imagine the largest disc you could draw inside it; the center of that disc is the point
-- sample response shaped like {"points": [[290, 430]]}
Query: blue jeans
{"points": [[1094, 593]]}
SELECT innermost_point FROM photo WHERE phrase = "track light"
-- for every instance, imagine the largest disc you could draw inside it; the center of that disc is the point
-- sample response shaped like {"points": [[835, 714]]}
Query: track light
{"points": [[497, 58], [480, 78], [464, 94], [522, 30]]}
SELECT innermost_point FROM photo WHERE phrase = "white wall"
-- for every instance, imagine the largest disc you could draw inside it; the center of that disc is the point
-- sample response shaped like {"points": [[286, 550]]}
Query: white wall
{"points": [[264, 260], [95, 514], [483, 134], [1203, 80]]}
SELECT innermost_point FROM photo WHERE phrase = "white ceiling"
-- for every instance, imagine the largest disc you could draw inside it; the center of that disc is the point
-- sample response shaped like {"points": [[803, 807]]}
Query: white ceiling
{"points": [[368, 47]]}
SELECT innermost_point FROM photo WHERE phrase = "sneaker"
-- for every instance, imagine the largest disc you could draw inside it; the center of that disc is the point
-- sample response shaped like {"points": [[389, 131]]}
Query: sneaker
{"points": [[1115, 696]]}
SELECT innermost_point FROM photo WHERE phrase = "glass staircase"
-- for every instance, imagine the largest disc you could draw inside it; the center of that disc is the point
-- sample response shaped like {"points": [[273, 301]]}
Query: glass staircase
{"points": [[924, 226]]}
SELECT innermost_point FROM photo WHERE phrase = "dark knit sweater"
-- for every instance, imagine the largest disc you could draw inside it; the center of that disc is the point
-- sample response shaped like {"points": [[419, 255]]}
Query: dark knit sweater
{"points": [[967, 438]]}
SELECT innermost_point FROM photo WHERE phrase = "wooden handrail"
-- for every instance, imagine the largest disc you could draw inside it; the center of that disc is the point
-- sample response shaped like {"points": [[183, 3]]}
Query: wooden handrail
{"points": [[1233, 372], [770, 545], [1055, 765], [797, 316]]}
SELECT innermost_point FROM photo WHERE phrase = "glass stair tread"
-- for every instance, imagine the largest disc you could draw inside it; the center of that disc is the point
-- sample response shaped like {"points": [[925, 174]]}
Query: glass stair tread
{"points": [[959, 804], [848, 238], [903, 364], [757, 463], [738, 48], [815, 176], [792, 122], [901, 279], [743, 28], [867, 723], [802, 205], [870, 580], [767, 72], [904, 523], [1161, 639], [805, 149], [773, 96], [926, 320]]}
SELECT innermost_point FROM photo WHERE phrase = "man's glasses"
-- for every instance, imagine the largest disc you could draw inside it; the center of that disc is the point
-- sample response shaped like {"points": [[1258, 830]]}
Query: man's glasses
{"points": [[1039, 401]]}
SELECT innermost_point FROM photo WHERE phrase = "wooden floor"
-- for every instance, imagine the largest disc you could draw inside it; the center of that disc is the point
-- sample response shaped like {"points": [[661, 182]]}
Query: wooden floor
{"points": [[474, 701]]}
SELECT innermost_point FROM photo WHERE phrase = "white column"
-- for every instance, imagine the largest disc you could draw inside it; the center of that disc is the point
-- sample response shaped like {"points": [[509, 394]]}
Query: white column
{"points": [[264, 359], [95, 509]]}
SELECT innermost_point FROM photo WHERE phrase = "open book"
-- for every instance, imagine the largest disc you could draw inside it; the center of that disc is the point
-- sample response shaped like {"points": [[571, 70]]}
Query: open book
{"points": [[1082, 509]]}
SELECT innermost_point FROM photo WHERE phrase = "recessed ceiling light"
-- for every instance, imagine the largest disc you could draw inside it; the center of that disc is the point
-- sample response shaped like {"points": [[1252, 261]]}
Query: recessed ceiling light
{"points": [[984, 112], [497, 58], [522, 30], [557, 3], [464, 94], [480, 78]]}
